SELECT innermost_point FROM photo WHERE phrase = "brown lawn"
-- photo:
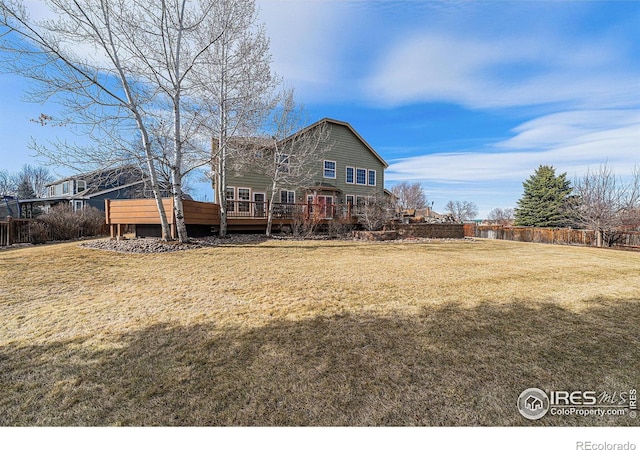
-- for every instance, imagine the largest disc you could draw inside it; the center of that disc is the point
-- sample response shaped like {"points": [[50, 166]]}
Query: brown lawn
{"points": [[313, 333]]}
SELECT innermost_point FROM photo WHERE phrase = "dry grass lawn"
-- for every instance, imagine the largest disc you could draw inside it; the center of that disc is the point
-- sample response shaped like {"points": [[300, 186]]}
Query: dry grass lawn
{"points": [[313, 333]]}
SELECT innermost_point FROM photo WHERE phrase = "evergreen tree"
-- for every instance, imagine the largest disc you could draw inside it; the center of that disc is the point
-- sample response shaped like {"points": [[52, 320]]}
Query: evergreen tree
{"points": [[546, 201]]}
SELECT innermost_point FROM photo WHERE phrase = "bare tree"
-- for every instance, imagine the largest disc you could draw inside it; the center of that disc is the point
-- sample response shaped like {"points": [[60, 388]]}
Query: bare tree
{"points": [[375, 211], [148, 76], [237, 89], [409, 195], [605, 203], [7, 183], [290, 156], [36, 177], [501, 216], [461, 211]]}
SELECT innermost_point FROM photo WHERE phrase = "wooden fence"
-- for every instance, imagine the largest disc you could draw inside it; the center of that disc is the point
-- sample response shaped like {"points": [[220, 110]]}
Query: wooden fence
{"points": [[15, 231], [563, 236]]}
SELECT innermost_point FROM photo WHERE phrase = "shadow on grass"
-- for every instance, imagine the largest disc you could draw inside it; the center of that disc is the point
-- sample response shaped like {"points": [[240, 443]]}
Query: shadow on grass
{"points": [[448, 365]]}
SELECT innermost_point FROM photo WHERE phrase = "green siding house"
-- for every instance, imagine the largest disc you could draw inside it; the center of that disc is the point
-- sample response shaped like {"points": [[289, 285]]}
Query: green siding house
{"points": [[348, 172]]}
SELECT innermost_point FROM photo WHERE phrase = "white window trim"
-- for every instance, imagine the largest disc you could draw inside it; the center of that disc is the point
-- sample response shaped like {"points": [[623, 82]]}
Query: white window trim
{"points": [[238, 191], [324, 169], [283, 163], [346, 176], [288, 191], [263, 204], [232, 200], [353, 199], [83, 183], [65, 187], [240, 201], [365, 176], [375, 177]]}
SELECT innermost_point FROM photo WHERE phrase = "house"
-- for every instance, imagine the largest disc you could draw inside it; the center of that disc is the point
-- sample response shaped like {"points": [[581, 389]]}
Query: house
{"points": [[349, 172], [91, 189]]}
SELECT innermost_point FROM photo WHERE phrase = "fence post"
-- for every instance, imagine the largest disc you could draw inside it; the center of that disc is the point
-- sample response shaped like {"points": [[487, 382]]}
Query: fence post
{"points": [[10, 227]]}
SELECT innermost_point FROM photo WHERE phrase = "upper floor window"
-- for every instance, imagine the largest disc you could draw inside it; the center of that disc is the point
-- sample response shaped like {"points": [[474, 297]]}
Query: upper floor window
{"points": [[65, 187], [329, 169], [372, 177], [52, 191], [361, 176], [81, 185], [350, 175], [283, 163]]}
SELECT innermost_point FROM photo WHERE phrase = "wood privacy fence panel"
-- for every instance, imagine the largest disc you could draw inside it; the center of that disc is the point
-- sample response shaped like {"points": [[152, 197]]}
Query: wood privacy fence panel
{"points": [[145, 212], [629, 239], [566, 236], [431, 230]]}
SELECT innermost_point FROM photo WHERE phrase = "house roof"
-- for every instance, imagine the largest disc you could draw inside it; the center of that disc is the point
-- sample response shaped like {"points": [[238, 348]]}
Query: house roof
{"points": [[100, 174], [344, 124]]}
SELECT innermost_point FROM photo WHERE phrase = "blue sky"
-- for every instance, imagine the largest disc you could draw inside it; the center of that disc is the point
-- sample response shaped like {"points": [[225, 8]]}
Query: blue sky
{"points": [[467, 98]]}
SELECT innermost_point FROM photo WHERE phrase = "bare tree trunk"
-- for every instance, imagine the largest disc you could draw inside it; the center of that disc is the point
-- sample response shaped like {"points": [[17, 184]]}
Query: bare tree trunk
{"points": [[274, 186], [222, 187], [176, 167]]}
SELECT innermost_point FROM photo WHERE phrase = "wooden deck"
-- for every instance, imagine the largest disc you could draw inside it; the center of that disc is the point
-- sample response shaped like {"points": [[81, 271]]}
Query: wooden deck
{"points": [[241, 215]]}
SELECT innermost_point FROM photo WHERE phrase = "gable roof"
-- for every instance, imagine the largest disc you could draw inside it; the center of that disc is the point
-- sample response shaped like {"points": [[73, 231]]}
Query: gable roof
{"points": [[344, 124], [104, 175]]}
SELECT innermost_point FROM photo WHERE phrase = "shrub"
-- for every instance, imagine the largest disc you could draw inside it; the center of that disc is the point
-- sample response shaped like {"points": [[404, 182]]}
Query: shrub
{"points": [[375, 212], [38, 232], [63, 223]]}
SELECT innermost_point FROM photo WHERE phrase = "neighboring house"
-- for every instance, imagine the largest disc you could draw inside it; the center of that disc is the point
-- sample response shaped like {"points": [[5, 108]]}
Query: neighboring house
{"points": [[9, 207], [91, 189], [347, 173]]}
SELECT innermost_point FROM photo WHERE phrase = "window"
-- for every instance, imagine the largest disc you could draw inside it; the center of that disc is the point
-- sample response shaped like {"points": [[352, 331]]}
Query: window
{"points": [[231, 196], [287, 196], [329, 169], [244, 194], [260, 202], [283, 163], [361, 176], [52, 191], [350, 175], [360, 200], [81, 186], [350, 199], [65, 187], [372, 177], [78, 205]]}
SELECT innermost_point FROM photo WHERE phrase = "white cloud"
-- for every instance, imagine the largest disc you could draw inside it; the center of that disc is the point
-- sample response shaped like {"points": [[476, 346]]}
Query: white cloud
{"points": [[570, 141], [306, 43], [493, 73]]}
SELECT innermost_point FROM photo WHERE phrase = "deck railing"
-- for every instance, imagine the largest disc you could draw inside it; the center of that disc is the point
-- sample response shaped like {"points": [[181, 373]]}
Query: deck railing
{"points": [[15, 231], [258, 210]]}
